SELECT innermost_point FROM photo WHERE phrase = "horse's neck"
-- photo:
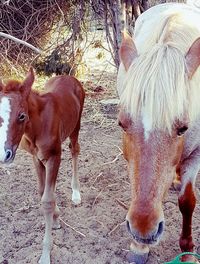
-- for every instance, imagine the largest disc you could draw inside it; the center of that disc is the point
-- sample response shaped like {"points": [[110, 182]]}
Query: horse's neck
{"points": [[192, 139]]}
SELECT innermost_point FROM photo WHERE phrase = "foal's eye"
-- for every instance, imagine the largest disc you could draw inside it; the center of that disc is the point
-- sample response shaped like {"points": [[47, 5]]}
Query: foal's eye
{"points": [[181, 130], [21, 117]]}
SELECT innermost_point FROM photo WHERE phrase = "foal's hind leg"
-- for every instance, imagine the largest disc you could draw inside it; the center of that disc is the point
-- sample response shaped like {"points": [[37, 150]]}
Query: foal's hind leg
{"points": [[75, 149]]}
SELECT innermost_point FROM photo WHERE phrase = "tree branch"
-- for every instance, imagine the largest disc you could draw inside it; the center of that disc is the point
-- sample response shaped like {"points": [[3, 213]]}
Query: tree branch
{"points": [[20, 42]]}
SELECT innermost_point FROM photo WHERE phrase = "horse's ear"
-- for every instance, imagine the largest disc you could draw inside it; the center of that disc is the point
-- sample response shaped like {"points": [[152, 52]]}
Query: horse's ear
{"points": [[28, 82], [127, 51], [193, 58]]}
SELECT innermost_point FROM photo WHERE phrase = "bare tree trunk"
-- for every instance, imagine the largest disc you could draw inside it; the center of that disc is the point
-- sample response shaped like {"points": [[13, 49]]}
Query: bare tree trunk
{"points": [[117, 15], [145, 5], [115, 8], [136, 8]]}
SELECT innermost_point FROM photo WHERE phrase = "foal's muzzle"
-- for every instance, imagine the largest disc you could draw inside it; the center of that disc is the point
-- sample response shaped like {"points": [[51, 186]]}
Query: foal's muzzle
{"points": [[150, 238]]}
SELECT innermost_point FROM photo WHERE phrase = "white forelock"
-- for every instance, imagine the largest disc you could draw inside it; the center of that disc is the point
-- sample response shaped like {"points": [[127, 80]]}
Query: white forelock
{"points": [[156, 84]]}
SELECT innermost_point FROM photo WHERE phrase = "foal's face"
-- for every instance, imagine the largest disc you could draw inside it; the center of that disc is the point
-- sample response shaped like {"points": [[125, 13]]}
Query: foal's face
{"points": [[13, 115], [152, 158]]}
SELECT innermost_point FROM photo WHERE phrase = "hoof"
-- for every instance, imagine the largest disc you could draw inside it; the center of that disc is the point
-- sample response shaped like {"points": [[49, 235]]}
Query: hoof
{"points": [[76, 197], [137, 258], [138, 253], [189, 259], [56, 224], [44, 260]]}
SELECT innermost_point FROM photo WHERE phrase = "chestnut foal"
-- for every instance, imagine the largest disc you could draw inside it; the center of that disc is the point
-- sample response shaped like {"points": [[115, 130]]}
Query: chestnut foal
{"points": [[42, 122]]}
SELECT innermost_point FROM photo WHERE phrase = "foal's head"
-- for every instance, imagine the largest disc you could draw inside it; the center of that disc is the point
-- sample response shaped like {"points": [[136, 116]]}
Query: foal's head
{"points": [[13, 115], [154, 118]]}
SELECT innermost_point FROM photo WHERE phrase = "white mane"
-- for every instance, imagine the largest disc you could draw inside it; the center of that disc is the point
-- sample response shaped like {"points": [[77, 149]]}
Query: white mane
{"points": [[156, 85]]}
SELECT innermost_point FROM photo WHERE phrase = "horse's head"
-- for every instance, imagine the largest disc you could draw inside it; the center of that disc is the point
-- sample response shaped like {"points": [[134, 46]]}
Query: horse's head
{"points": [[152, 140], [13, 115]]}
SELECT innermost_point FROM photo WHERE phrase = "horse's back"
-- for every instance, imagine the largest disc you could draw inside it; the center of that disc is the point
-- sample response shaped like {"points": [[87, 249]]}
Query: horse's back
{"points": [[176, 17]]}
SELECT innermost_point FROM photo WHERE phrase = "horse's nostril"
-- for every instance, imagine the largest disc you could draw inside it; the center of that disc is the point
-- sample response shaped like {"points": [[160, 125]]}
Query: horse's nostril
{"points": [[160, 228], [9, 155]]}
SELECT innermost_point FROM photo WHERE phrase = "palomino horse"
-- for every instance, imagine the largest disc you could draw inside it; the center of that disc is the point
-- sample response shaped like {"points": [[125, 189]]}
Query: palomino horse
{"points": [[42, 122], [159, 87]]}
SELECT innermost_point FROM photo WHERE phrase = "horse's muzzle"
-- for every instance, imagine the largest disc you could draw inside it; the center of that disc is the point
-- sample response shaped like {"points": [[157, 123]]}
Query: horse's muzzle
{"points": [[148, 239]]}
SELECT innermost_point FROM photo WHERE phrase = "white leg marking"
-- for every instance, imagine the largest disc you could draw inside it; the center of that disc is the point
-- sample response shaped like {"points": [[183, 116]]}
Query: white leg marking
{"points": [[48, 207], [5, 110], [76, 197], [48, 240]]}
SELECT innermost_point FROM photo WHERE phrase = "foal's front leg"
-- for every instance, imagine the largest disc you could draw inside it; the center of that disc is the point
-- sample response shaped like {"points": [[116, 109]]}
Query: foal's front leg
{"points": [[41, 173], [49, 206]]}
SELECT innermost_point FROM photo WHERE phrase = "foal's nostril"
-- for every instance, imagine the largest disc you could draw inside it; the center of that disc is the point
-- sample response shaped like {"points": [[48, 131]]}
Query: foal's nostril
{"points": [[9, 155], [128, 226]]}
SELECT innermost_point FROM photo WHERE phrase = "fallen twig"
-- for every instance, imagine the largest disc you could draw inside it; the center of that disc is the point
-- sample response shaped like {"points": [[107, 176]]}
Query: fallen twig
{"points": [[96, 198], [116, 227], [122, 204], [78, 232], [113, 161], [99, 175]]}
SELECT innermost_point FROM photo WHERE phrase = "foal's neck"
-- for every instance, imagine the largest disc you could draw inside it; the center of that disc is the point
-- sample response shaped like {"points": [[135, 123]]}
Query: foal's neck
{"points": [[36, 104]]}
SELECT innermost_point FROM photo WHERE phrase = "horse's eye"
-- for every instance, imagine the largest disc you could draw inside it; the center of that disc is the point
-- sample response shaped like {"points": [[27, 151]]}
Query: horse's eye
{"points": [[120, 124], [21, 117], [124, 127], [181, 130]]}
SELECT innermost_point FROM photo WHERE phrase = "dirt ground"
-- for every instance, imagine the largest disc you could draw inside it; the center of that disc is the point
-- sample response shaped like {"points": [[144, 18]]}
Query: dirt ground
{"points": [[95, 231]]}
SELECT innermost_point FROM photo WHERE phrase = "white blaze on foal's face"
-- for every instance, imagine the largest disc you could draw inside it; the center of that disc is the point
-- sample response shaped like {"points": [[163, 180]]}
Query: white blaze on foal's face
{"points": [[5, 110]]}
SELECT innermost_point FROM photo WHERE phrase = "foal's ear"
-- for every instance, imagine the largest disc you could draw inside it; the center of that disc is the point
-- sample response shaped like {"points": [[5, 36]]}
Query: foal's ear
{"points": [[193, 58], [127, 51], [1, 85], [28, 82]]}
